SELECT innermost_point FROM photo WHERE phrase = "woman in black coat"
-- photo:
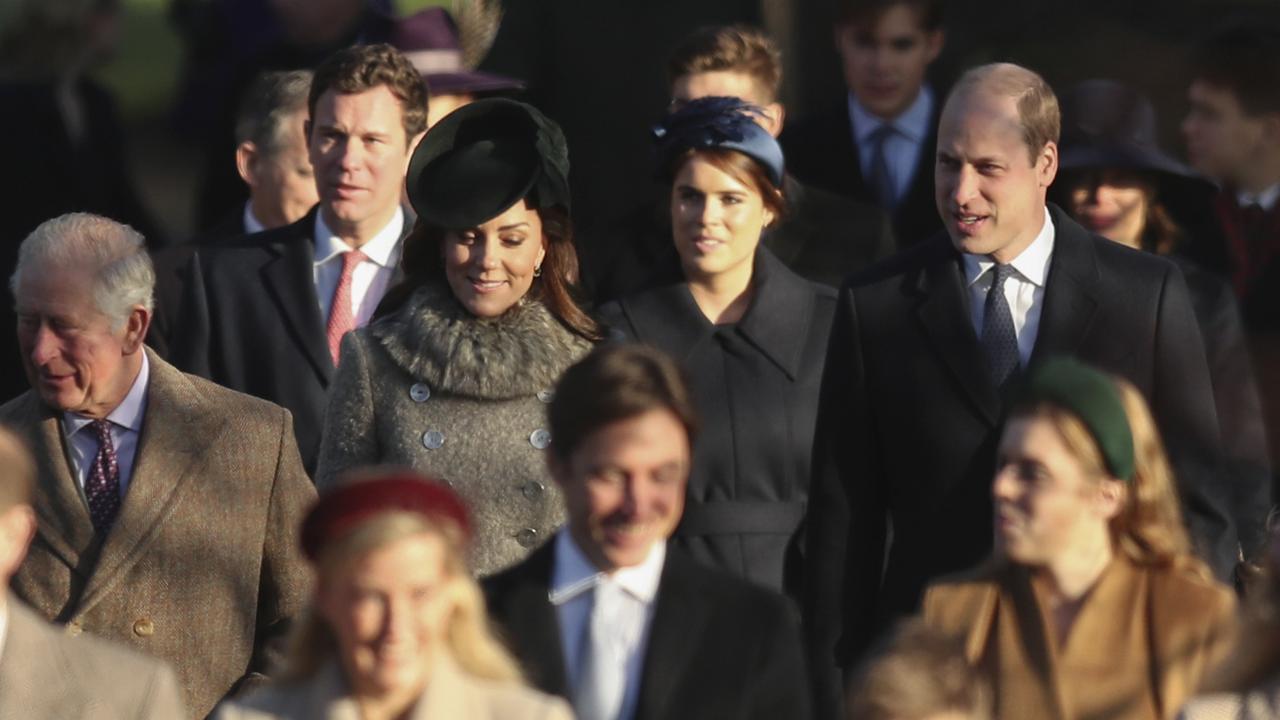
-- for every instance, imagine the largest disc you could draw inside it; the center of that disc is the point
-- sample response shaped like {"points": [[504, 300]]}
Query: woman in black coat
{"points": [[751, 335]]}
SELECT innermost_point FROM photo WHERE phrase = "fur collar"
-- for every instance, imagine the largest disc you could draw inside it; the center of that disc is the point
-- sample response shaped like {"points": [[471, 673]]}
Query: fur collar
{"points": [[436, 340]]}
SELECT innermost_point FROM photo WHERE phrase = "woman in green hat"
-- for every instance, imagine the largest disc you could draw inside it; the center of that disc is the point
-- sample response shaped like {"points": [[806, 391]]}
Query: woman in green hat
{"points": [[1094, 605], [453, 376]]}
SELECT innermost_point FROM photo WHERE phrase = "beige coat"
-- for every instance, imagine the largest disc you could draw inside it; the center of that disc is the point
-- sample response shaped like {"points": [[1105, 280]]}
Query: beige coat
{"points": [[452, 695], [201, 567], [45, 675], [1139, 647]]}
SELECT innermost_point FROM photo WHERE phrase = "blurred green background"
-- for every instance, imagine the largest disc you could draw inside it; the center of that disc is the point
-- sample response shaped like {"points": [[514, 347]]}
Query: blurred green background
{"points": [[145, 69]]}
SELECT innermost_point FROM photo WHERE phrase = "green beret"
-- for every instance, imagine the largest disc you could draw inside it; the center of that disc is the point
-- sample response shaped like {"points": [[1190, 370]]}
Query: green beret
{"points": [[1093, 397], [485, 157]]}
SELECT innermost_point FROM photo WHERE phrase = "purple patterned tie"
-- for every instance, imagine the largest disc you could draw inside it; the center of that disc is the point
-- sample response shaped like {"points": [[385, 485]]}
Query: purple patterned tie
{"points": [[103, 486]]}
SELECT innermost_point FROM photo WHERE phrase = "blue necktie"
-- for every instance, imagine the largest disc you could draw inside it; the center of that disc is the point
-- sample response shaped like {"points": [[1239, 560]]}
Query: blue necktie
{"points": [[999, 341], [881, 179]]}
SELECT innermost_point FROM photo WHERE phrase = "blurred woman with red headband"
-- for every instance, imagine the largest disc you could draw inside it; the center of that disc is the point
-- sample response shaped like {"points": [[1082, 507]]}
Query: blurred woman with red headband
{"points": [[397, 626]]}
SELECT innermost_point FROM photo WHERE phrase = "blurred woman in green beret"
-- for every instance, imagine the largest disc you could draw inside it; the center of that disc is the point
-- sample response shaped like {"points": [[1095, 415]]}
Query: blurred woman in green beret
{"points": [[1094, 605], [453, 376]]}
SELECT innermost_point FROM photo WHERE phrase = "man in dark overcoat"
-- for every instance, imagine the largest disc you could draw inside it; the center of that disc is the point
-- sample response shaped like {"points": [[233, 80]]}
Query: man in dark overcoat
{"points": [[924, 351]]}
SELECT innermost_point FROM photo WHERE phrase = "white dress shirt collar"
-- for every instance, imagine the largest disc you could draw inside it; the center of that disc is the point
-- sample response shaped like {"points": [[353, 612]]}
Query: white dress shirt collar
{"points": [[128, 414], [382, 249], [913, 123], [251, 223], [573, 574], [1032, 264], [1265, 199]]}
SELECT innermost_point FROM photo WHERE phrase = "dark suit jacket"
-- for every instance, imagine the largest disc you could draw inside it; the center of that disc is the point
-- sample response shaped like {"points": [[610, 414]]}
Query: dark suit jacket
{"points": [[201, 567], [756, 387], [250, 320], [821, 152], [909, 420], [718, 647]]}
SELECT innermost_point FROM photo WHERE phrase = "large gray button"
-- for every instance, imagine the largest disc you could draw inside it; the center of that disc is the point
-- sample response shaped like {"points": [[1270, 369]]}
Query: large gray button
{"points": [[433, 439], [419, 392], [540, 438], [527, 537], [546, 396], [532, 490]]}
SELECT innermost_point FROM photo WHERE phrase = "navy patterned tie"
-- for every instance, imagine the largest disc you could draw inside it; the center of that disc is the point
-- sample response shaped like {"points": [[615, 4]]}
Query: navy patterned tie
{"points": [[103, 485], [999, 340], [881, 177]]}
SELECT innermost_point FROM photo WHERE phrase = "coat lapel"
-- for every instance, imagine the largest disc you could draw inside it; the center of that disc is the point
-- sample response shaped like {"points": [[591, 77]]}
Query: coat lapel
{"points": [[777, 322], [678, 613], [289, 278], [533, 618], [1070, 295], [176, 432], [61, 510], [943, 314]]}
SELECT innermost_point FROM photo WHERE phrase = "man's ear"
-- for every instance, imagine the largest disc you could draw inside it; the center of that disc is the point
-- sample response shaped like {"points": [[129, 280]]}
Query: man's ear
{"points": [[135, 328], [246, 157], [1047, 164], [775, 114]]}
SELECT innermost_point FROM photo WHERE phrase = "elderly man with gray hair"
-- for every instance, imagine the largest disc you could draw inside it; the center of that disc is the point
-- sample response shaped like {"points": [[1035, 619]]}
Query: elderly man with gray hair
{"points": [[167, 504]]}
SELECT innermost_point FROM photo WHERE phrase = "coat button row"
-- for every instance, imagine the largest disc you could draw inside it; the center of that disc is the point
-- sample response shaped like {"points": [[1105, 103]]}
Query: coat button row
{"points": [[144, 627], [546, 396], [74, 628], [420, 392], [532, 490], [433, 439], [527, 537], [540, 438]]}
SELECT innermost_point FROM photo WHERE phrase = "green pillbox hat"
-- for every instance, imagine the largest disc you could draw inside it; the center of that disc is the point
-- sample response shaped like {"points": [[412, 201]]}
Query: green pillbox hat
{"points": [[1093, 397]]}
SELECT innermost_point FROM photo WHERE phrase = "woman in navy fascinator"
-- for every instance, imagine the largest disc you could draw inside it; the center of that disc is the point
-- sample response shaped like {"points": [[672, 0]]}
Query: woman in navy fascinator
{"points": [[750, 334]]}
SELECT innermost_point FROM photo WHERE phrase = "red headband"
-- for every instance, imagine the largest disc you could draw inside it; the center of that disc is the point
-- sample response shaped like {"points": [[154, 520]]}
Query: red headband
{"points": [[340, 509]]}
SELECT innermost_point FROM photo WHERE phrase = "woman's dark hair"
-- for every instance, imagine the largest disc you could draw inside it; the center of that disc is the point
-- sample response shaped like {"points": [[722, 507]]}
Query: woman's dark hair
{"points": [[423, 262]]}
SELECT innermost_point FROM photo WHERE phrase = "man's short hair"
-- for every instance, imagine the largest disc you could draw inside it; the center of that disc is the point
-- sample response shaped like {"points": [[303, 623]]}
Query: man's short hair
{"points": [[114, 253], [270, 100], [1243, 58], [868, 12], [917, 673], [617, 381], [17, 471], [730, 48], [1038, 110], [364, 67]]}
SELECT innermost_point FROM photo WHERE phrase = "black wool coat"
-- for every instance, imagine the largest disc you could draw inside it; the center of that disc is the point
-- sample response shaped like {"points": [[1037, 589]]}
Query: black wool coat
{"points": [[905, 447], [718, 647], [755, 384]]}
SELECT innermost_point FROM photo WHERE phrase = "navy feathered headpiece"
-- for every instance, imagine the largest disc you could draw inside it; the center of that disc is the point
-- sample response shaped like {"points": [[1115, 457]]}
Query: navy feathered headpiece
{"points": [[719, 122]]}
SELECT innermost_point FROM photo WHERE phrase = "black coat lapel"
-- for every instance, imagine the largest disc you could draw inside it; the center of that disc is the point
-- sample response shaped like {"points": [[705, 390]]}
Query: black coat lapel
{"points": [[289, 278], [1070, 295], [530, 620], [679, 611], [943, 313]]}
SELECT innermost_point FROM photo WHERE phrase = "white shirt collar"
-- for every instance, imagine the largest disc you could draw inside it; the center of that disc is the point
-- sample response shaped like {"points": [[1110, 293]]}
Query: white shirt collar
{"points": [[251, 223], [912, 123], [573, 574], [1265, 199], [128, 414], [382, 248], [1032, 263]]}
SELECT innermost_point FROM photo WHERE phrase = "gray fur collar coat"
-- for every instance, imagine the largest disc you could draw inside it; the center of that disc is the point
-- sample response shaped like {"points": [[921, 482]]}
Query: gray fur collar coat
{"points": [[462, 399]]}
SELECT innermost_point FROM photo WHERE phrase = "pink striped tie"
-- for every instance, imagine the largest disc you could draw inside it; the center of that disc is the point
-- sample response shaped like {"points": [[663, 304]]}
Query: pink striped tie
{"points": [[341, 318]]}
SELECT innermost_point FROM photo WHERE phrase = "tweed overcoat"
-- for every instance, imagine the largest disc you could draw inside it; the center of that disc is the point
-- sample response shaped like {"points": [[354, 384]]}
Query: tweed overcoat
{"points": [[201, 567], [45, 674], [460, 398], [1141, 643], [452, 695]]}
